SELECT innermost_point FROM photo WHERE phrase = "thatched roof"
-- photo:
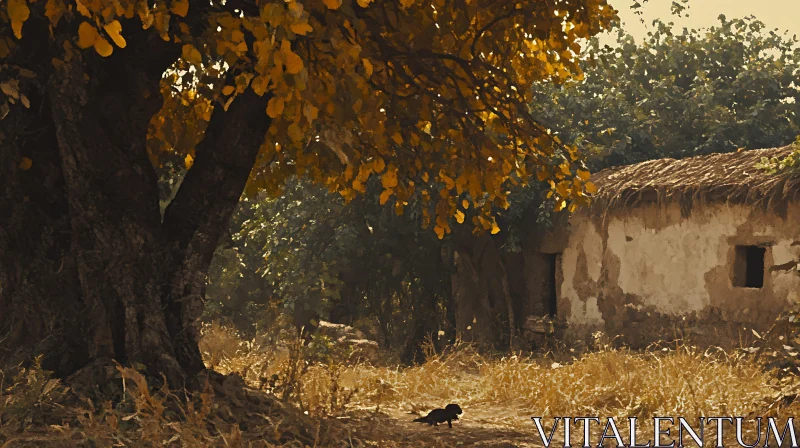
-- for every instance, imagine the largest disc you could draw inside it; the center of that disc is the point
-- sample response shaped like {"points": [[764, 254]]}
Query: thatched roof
{"points": [[726, 178]]}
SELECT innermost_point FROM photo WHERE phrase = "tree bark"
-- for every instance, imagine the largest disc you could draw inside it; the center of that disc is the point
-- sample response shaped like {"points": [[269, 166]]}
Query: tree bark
{"points": [[38, 276], [101, 110], [89, 273]]}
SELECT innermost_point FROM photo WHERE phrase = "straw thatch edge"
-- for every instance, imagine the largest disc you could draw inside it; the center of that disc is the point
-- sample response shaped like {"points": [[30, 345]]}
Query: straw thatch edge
{"points": [[729, 178]]}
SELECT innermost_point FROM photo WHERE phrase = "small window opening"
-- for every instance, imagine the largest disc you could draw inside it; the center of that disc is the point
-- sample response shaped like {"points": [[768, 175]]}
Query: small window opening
{"points": [[552, 291], [748, 269]]}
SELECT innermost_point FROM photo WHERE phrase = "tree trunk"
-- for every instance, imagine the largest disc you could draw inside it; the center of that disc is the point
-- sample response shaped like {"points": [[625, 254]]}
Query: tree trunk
{"points": [[89, 273], [509, 302], [423, 325], [471, 298], [196, 219], [482, 295], [38, 275]]}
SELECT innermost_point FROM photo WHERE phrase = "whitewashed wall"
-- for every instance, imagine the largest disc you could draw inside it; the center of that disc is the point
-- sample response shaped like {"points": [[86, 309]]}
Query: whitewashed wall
{"points": [[650, 261]]}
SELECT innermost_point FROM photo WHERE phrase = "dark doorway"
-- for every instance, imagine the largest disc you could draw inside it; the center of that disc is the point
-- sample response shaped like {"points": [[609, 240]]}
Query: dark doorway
{"points": [[748, 269], [551, 298]]}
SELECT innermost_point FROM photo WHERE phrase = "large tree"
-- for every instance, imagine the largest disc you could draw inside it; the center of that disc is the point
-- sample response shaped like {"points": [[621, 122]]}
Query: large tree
{"points": [[247, 93]]}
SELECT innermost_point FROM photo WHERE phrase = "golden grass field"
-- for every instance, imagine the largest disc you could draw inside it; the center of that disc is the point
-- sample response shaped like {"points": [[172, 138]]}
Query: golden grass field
{"points": [[332, 402]]}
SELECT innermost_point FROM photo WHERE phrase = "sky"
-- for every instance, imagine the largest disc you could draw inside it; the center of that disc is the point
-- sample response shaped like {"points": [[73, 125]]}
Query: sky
{"points": [[781, 14]]}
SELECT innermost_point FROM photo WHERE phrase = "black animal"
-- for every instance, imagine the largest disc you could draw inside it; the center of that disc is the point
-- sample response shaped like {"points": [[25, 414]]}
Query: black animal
{"points": [[436, 416]]}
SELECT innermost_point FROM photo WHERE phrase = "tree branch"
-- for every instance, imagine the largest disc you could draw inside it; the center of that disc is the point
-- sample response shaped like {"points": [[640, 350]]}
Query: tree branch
{"points": [[212, 187]]}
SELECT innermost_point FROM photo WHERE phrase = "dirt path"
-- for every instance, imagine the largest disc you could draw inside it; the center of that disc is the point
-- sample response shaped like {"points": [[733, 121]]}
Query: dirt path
{"points": [[478, 427]]}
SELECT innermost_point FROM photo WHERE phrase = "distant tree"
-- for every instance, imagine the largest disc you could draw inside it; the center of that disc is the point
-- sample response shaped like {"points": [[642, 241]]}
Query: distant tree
{"points": [[315, 256], [678, 95], [95, 92]]}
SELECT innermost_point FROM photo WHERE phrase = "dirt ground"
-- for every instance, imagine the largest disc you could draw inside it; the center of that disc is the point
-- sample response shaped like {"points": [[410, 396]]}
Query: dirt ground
{"points": [[477, 427]]}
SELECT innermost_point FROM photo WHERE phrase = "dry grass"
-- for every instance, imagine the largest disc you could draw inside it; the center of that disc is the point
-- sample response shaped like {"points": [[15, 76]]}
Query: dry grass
{"points": [[617, 383], [36, 410], [371, 404]]}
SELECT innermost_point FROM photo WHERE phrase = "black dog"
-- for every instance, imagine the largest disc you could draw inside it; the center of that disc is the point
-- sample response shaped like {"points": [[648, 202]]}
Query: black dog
{"points": [[436, 416]]}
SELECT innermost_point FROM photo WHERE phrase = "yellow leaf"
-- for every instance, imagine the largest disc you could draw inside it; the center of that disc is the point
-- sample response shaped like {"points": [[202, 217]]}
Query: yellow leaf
{"points": [[274, 107], [439, 231], [188, 161], [87, 34], [18, 13], [541, 175], [295, 8], [191, 54], [310, 112], [591, 188], [385, 195], [397, 138], [295, 133], [465, 204], [54, 9], [495, 228], [562, 188], [227, 90], [180, 7], [332, 4], [379, 165], [25, 164], [560, 206], [260, 84], [459, 216], [364, 3], [406, 3], [301, 28], [10, 88], [82, 9], [114, 30], [102, 47], [448, 181], [389, 179], [583, 174], [367, 67], [293, 62]]}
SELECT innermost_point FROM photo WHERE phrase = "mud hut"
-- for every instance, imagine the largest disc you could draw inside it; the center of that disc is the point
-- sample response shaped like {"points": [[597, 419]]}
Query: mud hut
{"points": [[704, 248]]}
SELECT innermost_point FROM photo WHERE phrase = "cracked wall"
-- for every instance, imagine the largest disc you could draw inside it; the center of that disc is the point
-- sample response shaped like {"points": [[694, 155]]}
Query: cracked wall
{"points": [[648, 274]]}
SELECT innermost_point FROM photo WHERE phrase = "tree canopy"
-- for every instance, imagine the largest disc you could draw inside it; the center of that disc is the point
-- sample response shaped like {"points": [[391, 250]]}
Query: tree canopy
{"points": [[408, 90]]}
